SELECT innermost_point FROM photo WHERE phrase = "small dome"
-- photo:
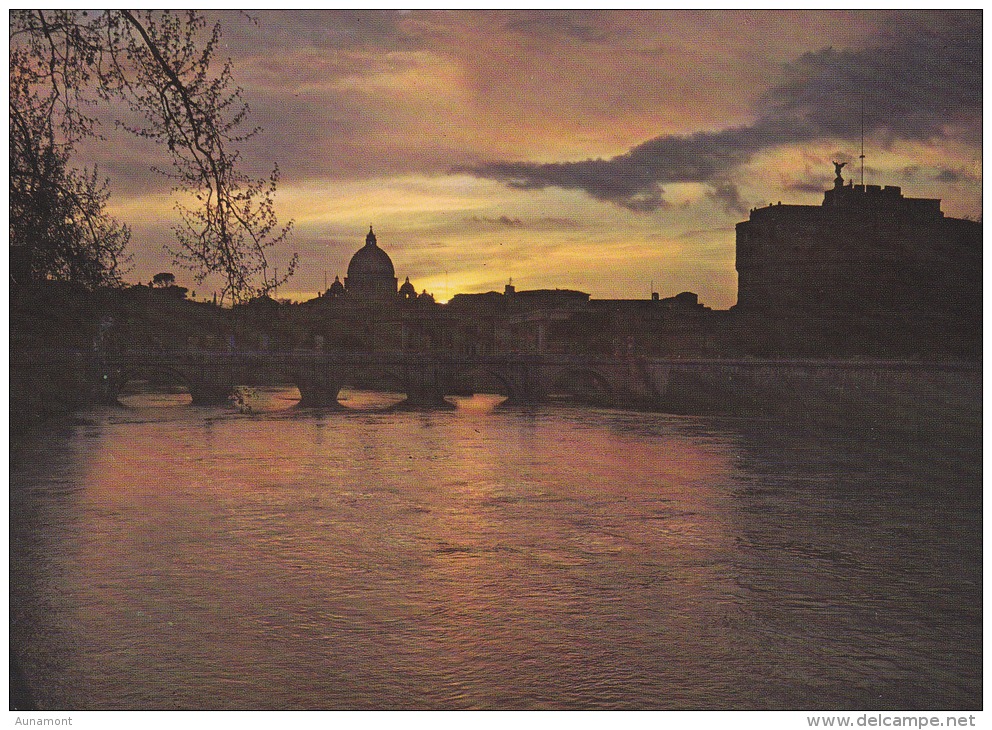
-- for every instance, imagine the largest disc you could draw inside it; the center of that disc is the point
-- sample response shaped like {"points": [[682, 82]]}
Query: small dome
{"points": [[337, 288], [408, 291], [370, 262]]}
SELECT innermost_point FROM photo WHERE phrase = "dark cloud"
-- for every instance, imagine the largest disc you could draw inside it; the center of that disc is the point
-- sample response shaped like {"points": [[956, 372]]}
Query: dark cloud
{"points": [[503, 221], [542, 223], [634, 179], [915, 89], [947, 175], [275, 30], [806, 186], [925, 86], [581, 25], [728, 196]]}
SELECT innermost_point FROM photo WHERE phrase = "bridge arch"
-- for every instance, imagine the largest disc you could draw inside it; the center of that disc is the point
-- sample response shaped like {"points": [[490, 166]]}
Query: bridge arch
{"points": [[116, 382], [486, 379], [582, 384], [206, 386], [376, 379]]}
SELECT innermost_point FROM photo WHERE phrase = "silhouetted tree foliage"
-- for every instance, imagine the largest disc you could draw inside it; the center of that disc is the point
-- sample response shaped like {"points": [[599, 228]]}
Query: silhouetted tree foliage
{"points": [[58, 224], [153, 67]]}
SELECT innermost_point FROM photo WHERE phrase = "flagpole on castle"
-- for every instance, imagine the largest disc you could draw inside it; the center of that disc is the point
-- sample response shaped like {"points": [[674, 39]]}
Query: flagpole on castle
{"points": [[862, 156]]}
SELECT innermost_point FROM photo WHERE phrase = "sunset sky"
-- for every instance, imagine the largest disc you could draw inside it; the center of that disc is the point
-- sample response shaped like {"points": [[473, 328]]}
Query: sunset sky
{"points": [[586, 150]]}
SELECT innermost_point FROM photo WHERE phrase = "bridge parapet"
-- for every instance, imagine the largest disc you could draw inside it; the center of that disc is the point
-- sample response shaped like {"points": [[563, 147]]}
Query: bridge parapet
{"points": [[688, 385]]}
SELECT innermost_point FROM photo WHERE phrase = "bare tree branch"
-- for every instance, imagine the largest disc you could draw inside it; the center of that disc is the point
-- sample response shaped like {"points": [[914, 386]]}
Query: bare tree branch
{"points": [[160, 65]]}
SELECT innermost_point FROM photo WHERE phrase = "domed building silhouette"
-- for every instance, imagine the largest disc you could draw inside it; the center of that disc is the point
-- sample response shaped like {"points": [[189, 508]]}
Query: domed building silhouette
{"points": [[371, 279], [370, 273], [368, 312], [336, 290], [408, 291]]}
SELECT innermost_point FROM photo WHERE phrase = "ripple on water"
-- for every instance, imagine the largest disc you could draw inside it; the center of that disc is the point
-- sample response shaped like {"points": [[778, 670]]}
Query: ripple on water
{"points": [[548, 557]]}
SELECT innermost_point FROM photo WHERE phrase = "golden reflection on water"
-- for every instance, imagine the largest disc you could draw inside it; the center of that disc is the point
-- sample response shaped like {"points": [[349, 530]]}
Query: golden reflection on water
{"points": [[265, 399], [479, 404], [161, 399], [468, 536], [362, 400], [367, 558]]}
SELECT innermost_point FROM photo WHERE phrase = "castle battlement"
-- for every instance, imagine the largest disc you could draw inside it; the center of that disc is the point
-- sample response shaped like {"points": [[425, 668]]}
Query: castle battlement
{"points": [[853, 199]]}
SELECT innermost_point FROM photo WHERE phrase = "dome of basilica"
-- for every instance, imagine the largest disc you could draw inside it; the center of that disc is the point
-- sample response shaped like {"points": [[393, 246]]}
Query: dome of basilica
{"points": [[370, 262]]}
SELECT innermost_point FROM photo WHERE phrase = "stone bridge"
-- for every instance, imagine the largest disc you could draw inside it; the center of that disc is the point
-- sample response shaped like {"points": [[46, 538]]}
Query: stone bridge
{"points": [[672, 385], [425, 378]]}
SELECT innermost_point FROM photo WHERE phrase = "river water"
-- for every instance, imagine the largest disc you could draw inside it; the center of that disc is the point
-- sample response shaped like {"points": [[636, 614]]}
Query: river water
{"points": [[165, 556]]}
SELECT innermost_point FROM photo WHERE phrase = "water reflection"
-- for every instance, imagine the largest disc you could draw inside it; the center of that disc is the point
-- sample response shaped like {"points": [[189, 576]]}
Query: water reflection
{"points": [[364, 400], [479, 404], [266, 399], [543, 557], [171, 398]]}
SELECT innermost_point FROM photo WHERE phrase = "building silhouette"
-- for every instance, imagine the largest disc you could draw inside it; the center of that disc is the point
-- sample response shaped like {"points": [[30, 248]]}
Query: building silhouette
{"points": [[371, 276], [367, 312], [868, 272]]}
